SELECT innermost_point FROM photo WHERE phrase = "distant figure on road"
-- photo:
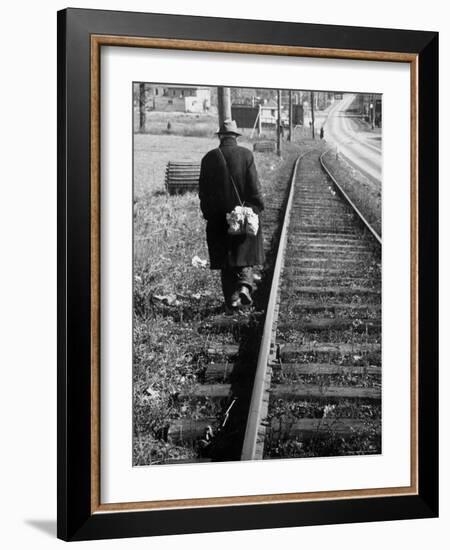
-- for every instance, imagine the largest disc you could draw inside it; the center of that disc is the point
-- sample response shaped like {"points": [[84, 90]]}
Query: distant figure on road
{"points": [[223, 169], [322, 133]]}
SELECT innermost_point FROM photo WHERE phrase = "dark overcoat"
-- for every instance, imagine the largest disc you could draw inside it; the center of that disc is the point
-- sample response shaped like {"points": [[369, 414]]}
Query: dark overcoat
{"points": [[218, 197]]}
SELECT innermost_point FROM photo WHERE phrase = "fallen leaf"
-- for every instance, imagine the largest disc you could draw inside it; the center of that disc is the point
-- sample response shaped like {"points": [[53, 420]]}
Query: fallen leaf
{"points": [[154, 394], [198, 262], [169, 299]]}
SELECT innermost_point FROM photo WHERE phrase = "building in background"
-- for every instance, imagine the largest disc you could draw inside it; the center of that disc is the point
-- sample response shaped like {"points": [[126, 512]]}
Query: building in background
{"points": [[269, 112], [185, 99]]}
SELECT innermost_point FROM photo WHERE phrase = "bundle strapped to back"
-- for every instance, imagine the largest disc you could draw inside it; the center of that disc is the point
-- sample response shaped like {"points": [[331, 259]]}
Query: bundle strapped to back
{"points": [[241, 220]]}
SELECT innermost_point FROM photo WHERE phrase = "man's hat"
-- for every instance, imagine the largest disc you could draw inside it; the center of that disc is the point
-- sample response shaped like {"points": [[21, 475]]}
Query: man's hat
{"points": [[229, 127]]}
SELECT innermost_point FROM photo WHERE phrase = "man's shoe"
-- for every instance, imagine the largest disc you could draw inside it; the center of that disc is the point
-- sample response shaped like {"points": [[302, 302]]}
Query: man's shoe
{"points": [[231, 309], [257, 277], [235, 303], [244, 294], [235, 300]]}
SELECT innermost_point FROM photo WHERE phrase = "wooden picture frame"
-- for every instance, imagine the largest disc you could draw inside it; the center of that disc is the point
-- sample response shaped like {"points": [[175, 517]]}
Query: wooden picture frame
{"points": [[81, 35]]}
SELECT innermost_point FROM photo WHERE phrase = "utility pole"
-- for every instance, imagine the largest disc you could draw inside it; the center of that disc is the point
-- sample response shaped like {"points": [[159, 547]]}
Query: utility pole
{"points": [[373, 112], [259, 120], [312, 115], [290, 116], [142, 107], [224, 104], [279, 124]]}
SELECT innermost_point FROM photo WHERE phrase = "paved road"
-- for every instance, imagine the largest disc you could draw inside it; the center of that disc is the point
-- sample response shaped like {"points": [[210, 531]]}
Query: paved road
{"points": [[360, 145]]}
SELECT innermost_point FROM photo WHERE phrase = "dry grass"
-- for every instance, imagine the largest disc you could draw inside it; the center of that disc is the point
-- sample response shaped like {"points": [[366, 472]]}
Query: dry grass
{"points": [[181, 124], [171, 296], [192, 125], [361, 190]]}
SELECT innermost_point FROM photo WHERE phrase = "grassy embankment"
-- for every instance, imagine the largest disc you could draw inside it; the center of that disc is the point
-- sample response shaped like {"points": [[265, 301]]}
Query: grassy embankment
{"points": [[362, 191], [171, 296]]}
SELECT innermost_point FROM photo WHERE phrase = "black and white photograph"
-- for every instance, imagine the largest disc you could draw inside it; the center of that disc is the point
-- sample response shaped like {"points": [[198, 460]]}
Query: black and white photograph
{"points": [[223, 270], [257, 263]]}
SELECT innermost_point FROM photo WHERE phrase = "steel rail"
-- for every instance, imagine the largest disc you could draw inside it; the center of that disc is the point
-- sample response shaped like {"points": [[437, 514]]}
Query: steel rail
{"points": [[256, 402], [347, 198], [255, 412]]}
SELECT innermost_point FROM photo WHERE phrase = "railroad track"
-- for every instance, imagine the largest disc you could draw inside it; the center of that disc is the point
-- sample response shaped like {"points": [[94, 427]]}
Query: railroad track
{"points": [[305, 378], [317, 389]]}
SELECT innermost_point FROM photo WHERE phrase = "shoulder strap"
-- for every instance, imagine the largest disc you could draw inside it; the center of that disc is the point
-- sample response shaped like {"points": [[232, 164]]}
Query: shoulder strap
{"points": [[230, 176]]}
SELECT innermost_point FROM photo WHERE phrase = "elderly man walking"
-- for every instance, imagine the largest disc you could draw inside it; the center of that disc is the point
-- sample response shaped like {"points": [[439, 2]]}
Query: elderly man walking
{"points": [[228, 178]]}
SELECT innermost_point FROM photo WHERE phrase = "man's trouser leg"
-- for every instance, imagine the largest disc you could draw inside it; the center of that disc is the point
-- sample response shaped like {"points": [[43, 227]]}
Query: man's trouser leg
{"points": [[244, 277], [228, 284], [233, 278]]}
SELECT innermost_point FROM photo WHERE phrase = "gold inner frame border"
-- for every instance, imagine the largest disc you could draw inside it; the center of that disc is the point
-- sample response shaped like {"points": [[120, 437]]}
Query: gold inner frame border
{"points": [[97, 41]]}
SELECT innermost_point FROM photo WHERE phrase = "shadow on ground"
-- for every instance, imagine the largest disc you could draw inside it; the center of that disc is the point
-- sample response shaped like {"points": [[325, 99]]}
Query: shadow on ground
{"points": [[46, 526]]}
